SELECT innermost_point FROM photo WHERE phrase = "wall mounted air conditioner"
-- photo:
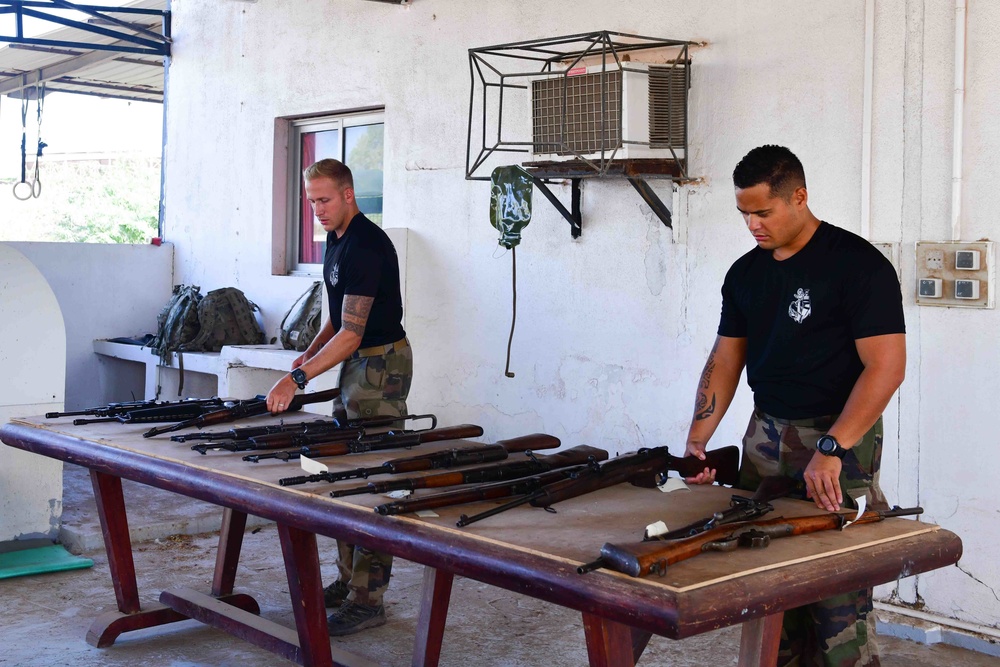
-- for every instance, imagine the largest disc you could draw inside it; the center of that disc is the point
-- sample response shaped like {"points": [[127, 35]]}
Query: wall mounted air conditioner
{"points": [[642, 103]]}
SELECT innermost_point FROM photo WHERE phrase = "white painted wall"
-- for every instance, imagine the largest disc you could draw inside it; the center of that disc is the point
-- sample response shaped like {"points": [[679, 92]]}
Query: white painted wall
{"points": [[613, 328], [104, 291], [33, 368]]}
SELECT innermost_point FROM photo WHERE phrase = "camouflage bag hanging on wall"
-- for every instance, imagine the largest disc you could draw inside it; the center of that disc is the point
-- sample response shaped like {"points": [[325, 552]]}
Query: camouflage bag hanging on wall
{"points": [[510, 212], [301, 323]]}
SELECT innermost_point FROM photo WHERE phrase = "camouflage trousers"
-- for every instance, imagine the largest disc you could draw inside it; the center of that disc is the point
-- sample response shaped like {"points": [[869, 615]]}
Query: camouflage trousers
{"points": [[371, 385], [840, 631]]}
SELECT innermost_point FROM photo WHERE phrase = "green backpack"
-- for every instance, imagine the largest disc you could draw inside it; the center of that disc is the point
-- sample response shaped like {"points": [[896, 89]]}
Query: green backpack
{"points": [[225, 317], [302, 321], [177, 324]]}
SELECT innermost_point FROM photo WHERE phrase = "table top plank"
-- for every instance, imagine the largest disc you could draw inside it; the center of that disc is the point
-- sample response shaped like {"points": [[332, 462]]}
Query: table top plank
{"points": [[526, 549]]}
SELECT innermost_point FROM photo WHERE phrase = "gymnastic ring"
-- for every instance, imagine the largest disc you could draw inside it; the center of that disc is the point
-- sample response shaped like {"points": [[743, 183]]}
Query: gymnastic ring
{"points": [[27, 196], [36, 188]]}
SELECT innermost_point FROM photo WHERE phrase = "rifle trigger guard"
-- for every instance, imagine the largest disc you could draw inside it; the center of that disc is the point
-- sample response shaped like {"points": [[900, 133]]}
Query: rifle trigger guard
{"points": [[659, 567], [549, 509]]}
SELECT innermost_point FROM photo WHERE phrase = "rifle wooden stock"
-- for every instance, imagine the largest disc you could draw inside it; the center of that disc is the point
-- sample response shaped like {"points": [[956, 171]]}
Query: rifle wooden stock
{"points": [[448, 458], [642, 558], [496, 472], [494, 491], [243, 409]]}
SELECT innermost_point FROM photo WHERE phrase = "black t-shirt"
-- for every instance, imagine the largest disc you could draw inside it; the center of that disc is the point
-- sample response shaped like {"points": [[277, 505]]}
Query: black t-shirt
{"points": [[363, 262], [802, 315]]}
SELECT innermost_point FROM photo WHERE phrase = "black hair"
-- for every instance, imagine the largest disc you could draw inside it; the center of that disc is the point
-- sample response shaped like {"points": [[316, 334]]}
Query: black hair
{"points": [[775, 165]]}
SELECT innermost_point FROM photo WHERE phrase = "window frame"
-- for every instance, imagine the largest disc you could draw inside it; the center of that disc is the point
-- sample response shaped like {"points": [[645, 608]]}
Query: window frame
{"points": [[286, 225]]}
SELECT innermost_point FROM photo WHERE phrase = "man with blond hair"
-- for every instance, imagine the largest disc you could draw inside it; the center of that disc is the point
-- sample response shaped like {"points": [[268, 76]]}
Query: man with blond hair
{"points": [[365, 334]]}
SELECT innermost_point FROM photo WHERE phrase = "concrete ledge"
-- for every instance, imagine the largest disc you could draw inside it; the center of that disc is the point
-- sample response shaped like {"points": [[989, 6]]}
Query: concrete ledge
{"points": [[929, 629], [152, 513]]}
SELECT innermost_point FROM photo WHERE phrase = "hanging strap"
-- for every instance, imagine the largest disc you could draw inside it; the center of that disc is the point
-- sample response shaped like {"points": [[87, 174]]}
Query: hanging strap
{"points": [[513, 315], [33, 189]]}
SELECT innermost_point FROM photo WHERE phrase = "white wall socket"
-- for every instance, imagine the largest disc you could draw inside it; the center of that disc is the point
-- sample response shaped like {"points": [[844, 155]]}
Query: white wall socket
{"points": [[935, 259]]}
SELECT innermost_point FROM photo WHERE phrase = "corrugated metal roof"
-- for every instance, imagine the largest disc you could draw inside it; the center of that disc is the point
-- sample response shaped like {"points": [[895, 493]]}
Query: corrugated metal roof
{"points": [[63, 61]]}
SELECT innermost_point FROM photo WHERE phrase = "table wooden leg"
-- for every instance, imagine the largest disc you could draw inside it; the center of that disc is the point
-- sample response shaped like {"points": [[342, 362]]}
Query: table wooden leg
{"points": [[759, 642], [640, 638], [117, 542], [107, 627], [305, 585], [434, 601], [609, 644], [234, 524]]}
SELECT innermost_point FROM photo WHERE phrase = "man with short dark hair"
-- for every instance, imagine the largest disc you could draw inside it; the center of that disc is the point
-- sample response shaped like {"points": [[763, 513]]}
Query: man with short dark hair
{"points": [[365, 334], [815, 315]]}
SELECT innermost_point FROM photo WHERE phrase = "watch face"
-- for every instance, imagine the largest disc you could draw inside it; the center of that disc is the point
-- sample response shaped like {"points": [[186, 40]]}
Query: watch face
{"points": [[299, 376], [826, 445]]}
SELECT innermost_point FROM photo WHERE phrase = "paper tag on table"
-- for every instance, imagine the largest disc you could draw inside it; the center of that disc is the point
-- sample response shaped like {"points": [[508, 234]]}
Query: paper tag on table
{"points": [[862, 501], [398, 495], [427, 514], [673, 484], [312, 466], [654, 529]]}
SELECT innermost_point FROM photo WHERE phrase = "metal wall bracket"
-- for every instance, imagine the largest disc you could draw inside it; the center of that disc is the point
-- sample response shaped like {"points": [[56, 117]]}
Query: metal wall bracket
{"points": [[573, 216], [652, 199]]}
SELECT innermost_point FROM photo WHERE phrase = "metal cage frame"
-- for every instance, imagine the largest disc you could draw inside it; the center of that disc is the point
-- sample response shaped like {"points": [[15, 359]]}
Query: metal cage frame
{"points": [[614, 50]]}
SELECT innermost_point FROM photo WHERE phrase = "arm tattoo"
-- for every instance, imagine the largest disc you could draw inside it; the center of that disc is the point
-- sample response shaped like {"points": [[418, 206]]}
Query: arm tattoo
{"points": [[702, 409], [354, 315], [706, 374]]}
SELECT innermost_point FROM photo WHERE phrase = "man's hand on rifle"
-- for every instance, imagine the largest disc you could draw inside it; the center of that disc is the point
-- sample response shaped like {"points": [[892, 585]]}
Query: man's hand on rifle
{"points": [[822, 477], [281, 394], [706, 476]]}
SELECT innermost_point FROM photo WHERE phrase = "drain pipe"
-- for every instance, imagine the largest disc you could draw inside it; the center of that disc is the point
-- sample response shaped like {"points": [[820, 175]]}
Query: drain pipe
{"points": [[866, 122], [958, 120]]}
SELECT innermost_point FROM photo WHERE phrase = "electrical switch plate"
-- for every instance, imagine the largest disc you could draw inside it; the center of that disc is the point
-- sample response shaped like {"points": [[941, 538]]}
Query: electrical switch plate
{"points": [[965, 270], [967, 260], [930, 288], [966, 289]]}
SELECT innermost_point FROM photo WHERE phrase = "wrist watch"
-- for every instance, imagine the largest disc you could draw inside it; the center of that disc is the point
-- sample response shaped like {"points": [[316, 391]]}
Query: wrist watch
{"points": [[299, 378], [827, 445]]}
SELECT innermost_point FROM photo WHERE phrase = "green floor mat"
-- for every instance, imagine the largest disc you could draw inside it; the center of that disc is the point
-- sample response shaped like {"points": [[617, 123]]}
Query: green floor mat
{"points": [[53, 558]]}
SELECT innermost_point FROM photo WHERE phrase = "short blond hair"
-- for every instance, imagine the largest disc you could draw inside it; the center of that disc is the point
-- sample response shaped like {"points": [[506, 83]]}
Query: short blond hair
{"points": [[335, 170]]}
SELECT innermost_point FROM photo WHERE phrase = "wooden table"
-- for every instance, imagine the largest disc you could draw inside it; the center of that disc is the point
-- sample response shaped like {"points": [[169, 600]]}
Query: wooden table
{"points": [[525, 550]]}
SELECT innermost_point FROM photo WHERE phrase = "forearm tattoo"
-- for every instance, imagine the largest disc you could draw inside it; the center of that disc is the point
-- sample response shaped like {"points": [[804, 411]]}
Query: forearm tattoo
{"points": [[702, 408], [354, 315], [706, 374]]}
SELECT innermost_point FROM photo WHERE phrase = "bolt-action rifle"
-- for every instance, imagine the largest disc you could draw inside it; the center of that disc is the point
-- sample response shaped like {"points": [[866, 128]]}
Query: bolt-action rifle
{"points": [[373, 443], [247, 432], [740, 508], [446, 458], [495, 472], [725, 460], [642, 558], [241, 410], [300, 438], [143, 411], [645, 468]]}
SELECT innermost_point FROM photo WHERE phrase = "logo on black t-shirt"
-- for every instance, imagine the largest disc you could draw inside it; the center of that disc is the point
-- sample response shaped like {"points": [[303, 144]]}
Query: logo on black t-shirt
{"points": [[801, 306], [334, 275]]}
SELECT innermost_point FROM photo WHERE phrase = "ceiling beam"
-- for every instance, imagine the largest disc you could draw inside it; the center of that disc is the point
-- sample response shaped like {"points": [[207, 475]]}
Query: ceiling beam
{"points": [[60, 69]]}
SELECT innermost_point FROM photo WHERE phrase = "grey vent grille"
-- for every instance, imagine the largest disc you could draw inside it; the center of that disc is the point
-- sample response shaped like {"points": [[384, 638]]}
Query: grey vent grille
{"points": [[583, 113], [668, 106]]}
